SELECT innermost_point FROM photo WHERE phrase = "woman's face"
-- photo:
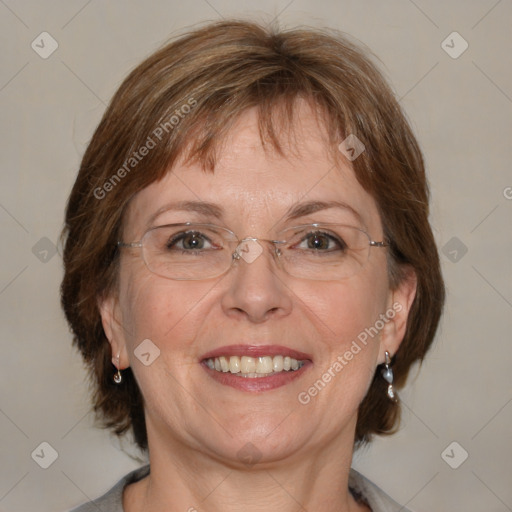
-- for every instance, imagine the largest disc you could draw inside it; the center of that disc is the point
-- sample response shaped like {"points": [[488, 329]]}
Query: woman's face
{"points": [[255, 309]]}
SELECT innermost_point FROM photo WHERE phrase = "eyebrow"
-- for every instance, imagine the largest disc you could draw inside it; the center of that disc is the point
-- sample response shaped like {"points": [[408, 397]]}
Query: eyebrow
{"points": [[201, 207], [213, 210], [309, 207]]}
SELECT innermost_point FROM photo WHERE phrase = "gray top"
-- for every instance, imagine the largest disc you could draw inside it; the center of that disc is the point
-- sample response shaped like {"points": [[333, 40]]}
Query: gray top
{"points": [[362, 489]]}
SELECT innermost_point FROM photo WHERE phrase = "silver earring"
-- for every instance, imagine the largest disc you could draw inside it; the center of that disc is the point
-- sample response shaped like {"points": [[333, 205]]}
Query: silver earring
{"points": [[387, 373], [118, 378]]}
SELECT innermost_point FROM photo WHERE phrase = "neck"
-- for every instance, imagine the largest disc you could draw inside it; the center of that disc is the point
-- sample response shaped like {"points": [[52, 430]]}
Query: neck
{"points": [[189, 480]]}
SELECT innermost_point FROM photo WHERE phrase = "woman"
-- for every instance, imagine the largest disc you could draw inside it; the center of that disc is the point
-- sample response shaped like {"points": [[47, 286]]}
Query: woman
{"points": [[249, 270]]}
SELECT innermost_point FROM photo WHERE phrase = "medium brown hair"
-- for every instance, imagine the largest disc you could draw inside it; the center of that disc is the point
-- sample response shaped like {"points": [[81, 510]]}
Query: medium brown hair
{"points": [[183, 100]]}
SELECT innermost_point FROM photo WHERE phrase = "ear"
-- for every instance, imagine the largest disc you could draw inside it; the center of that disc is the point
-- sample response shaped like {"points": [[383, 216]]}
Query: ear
{"points": [[111, 319], [399, 305]]}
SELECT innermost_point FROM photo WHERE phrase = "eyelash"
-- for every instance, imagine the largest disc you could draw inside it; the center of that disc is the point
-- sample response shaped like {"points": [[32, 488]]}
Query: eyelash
{"points": [[331, 237], [181, 236]]}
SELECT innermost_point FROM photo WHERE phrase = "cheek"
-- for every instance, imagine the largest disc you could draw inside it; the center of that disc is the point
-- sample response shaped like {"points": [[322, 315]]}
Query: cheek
{"points": [[343, 317], [341, 311], [168, 314], [161, 310]]}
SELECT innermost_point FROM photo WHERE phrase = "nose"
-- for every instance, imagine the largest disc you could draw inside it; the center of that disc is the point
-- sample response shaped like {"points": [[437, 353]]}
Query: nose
{"points": [[256, 289]]}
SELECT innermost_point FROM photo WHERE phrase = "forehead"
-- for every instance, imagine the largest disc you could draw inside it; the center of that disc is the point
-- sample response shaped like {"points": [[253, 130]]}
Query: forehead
{"points": [[254, 186]]}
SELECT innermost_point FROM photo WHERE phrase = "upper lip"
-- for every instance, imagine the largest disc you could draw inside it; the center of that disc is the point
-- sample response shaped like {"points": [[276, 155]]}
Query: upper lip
{"points": [[256, 351]]}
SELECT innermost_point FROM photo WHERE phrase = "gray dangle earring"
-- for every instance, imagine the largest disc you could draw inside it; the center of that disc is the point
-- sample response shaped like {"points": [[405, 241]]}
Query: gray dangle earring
{"points": [[387, 373], [118, 378]]}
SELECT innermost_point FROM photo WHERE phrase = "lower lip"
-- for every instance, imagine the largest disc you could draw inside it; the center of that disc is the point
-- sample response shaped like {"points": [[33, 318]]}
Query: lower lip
{"points": [[257, 384]]}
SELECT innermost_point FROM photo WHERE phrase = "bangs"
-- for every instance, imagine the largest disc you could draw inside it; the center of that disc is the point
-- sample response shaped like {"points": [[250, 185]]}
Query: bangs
{"points": [[277, 125]]}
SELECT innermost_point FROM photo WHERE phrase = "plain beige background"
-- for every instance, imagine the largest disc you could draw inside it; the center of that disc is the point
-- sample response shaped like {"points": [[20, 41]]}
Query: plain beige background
{"points": [[461, 110]]}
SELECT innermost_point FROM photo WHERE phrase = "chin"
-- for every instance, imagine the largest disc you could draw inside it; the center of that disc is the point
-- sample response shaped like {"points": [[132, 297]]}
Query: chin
{"points": [[266, 440]]}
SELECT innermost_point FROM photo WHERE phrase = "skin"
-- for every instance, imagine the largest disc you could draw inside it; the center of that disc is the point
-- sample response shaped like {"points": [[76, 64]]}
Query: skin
{"points": [[196, 426]]}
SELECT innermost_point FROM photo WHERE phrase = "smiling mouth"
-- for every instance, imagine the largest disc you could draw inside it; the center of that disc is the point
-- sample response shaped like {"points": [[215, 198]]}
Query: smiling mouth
{"points": [[254, 367]]}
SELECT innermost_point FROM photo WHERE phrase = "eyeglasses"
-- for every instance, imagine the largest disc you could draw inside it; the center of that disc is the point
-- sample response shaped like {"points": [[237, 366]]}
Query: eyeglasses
{"points": [[190, 251]]}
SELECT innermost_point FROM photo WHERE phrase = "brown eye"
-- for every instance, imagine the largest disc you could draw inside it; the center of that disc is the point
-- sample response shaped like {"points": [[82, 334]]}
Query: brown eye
{"points": [[321, 242], [318, 242], [192, 240]]}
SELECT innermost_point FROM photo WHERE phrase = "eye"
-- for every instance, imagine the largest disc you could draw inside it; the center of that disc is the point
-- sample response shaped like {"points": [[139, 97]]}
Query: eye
{"points": [[189, 241], [321, 242]]}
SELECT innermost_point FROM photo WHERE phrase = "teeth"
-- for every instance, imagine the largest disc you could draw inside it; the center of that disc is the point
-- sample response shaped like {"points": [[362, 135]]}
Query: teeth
{"points": [[264, 365], [224, 365], [234, 364], [278, 363], [247, 364], [253, 367]]}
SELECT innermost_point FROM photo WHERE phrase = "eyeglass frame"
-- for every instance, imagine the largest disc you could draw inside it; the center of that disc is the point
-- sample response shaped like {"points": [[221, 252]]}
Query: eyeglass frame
{"points": [[235, 255]]}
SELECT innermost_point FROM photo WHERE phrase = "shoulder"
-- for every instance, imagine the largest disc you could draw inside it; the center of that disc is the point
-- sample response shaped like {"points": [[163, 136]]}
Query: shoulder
{"points": [[112, 501], [374, 496]]}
